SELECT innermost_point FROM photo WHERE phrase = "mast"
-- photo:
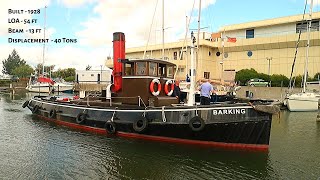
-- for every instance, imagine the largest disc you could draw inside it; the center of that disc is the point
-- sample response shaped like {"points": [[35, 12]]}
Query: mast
{"points": [[307, 50], [191, 98], [44, 37], [198, 35], [162, 29]]}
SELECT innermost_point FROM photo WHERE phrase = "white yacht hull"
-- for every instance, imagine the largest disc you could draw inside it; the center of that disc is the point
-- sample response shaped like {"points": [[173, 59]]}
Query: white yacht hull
{"points": [[303, 102], [41, 89], [62, 87]]}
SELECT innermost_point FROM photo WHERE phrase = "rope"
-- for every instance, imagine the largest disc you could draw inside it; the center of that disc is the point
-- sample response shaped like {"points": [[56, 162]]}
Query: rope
{"points": [[155, 9]]}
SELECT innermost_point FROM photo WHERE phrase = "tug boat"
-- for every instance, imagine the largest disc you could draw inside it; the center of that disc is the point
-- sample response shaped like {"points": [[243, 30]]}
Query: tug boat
{"points": [[139, 105]]}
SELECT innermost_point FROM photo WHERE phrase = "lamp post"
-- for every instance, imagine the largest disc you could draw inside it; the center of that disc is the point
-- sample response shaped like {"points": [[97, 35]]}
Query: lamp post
{"points": [[269, 59], [101, 73], [221, 63]]}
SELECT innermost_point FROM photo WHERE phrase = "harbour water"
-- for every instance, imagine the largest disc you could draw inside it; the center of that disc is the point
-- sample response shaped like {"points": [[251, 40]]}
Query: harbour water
{"points": [[33, 149]]}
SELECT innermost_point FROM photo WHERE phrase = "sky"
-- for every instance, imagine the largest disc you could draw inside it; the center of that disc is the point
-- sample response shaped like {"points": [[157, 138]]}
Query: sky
{"points": [[92, 22]]}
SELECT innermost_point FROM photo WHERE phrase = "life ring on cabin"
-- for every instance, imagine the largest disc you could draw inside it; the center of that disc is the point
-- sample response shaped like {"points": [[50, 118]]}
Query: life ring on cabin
{"points": [[81, 118], [25, 104], [110, 127], [151, 87], [139, 125], [166, 87], [52, 113], [35, 109], [196, 124]]}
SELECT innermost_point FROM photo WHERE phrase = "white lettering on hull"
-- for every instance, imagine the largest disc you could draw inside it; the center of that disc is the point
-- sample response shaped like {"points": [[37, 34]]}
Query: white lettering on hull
{"points": [[228, 111]]}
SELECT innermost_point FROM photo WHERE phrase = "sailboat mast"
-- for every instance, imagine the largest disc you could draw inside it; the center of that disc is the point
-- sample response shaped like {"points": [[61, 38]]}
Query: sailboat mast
{"points": [[191, 98], [162, 29], [307, 50], [198, 35], [44, 37]]}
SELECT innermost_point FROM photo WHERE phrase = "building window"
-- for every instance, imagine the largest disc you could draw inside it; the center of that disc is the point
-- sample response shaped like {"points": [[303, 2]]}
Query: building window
{"points": [[250, 33], [209, 53], [218, 53], [303, 26], [92, 74], [249, 53], [181, 70], [175, 54], [226, 55], [206, 75]]}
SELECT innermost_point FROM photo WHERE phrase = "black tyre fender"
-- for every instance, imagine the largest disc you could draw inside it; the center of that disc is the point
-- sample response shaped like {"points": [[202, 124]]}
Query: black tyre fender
{"points": [[25, 104], [139, 125], [35, 109], [81, 118], [196, 124], [110, 127], [52, 113]]}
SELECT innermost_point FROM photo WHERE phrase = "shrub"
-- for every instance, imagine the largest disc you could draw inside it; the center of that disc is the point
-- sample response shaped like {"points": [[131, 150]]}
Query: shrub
{"points": [[276, 80], [245, 75], [316, 77], [69, 79]]}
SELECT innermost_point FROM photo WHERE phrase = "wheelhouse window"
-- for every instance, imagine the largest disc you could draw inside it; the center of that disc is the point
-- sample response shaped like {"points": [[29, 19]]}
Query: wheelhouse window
{"points": [[249, 33], [162, 70], [141, 68], [128, 69], [153, 69], [170, 71]]}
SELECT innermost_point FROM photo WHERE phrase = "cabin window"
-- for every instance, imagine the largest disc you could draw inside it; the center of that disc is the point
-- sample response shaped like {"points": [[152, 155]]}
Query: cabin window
{"points": [[128, 69], [141, 68], [153, 69], [170, 71], [250, 33], [162, 70]]}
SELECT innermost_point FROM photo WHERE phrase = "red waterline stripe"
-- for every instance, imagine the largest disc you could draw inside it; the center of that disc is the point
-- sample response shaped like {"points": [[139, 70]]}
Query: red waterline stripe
{"points": [[251, 147]]}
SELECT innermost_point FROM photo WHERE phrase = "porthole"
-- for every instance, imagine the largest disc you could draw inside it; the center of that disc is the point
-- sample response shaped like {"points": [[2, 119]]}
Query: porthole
{"points": [[249, 53], [218, 53]]}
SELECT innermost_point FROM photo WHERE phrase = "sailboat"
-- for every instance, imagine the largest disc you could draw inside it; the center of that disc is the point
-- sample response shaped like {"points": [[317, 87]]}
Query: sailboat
{"points": [[41, 83], [304, 101], [44, 84]]}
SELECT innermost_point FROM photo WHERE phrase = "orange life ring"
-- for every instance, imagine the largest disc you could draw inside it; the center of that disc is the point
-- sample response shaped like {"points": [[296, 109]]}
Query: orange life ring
{"points": [[151, 87], [166, 87]]}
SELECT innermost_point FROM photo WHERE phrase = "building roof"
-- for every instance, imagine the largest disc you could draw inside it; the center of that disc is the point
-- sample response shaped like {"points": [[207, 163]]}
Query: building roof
{"points": [[268, 22]]}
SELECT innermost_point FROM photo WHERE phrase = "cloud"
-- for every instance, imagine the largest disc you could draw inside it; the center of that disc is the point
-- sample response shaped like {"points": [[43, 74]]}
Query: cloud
{"points": [[134, 17], [75, 3]]}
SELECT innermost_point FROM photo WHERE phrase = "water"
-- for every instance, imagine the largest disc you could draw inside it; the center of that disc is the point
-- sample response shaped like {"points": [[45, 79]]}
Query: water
{"points": [[33, 149]]}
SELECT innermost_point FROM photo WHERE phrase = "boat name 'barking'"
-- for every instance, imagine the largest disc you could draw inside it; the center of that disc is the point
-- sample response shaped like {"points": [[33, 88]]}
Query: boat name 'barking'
{"points": [[229, 111]]}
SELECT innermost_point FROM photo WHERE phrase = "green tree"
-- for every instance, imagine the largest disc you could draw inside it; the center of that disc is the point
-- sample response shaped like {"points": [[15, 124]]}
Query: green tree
{"points": [[12, 62], [316, 76], [23, 71], [245, 75], [67, 74], [277, 79], [47, 69]]}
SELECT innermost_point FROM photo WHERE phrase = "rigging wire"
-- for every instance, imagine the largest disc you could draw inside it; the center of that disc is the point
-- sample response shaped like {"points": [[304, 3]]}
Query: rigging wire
{"points": [[154, 13], [297, 46]]}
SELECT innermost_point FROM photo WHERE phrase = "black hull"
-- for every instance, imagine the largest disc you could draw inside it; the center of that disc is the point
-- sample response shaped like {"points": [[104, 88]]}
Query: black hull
{"points": [[233, 125]]}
